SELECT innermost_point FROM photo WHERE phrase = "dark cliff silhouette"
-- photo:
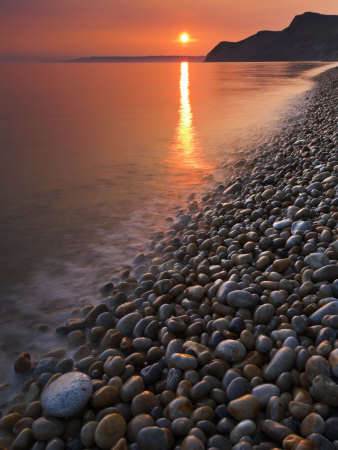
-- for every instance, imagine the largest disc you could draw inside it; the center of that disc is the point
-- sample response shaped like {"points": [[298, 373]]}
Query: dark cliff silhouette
{"points": [[309, 37]]}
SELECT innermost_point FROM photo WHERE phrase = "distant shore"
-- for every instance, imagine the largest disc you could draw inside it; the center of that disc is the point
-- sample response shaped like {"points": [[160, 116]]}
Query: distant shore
{"points": [[228, 339], [121, 59]]}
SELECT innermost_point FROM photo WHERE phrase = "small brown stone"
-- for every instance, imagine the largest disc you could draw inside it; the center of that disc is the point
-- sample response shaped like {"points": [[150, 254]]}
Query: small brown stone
{"points": [[7, 422], [144, 403], [291, 442], [121, 444], [250, 371], [302, 395], [299, 410], [47, 428], [87, 434], [105, 396], [280, 265], [33, 410], [25, 422], [76, 337], [24, 439], [245, 407], [313, 423], [23, 363], [307, 444], [179, 407], [109, 430], [137, 424]]}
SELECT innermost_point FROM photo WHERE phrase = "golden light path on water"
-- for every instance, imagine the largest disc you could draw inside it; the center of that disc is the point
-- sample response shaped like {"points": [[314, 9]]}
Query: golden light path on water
{"points": [[186, 149]]}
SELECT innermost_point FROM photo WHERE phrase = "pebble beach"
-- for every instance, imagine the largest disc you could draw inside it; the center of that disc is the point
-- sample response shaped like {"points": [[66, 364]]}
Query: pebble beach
{"points": [[225, 334]]}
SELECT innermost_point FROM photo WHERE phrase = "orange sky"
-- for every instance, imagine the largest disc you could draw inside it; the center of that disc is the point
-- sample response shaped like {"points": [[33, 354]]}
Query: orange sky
{"points": [[72, 28]]}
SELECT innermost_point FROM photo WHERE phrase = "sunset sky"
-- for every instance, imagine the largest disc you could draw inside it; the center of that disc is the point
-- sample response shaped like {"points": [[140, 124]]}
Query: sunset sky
{"points": [[72, 28]]}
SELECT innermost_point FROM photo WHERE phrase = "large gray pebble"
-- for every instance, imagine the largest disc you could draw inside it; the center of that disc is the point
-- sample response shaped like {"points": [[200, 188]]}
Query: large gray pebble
{"points": [[67, 395]]}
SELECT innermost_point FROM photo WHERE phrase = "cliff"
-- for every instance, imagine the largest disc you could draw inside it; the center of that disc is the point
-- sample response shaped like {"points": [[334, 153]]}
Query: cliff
{"points": [[309, 37]]}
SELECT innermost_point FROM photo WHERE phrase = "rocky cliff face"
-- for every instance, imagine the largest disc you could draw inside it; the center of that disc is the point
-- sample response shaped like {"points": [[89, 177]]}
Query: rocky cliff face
{"points": [[309, 37]]}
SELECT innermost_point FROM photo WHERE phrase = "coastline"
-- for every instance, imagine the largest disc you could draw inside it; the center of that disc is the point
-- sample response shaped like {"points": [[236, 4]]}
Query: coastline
{"points": [[241, 233]]}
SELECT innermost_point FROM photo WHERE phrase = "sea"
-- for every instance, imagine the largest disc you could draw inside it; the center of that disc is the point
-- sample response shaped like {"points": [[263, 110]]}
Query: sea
{"points": [[96, 160]]}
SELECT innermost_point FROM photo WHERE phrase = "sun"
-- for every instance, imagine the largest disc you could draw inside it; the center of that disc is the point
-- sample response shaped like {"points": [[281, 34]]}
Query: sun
{"points": [[184, 37]]}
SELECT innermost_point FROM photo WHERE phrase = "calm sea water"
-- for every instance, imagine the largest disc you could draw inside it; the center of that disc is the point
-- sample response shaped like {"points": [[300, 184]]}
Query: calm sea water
{"points": [[95, 158]]}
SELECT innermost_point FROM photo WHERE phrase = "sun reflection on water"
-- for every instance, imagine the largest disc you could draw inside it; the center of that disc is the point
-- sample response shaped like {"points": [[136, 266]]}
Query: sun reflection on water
{"points": [[185, 154]]}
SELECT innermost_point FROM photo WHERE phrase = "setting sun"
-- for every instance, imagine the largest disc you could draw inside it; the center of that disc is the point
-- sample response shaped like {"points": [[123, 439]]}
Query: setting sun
{"points": [[184, 37]]}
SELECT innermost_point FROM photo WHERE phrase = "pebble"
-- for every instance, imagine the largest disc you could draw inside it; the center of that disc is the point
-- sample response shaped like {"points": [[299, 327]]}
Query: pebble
{"points": [[144, 402], [300, 225], [276, 430], [330, 308], [56, 444], [105, 396], [326, 273], [196, 292], [179, 407], [333, 362], [225, 288], [109, 430], [230, 350], [237, 388], [325, 390], [23, 363], [317, 260], [152, 438], [182, 361], [24, 439], [313, 423], [114, 366], [321, 441], [299, 410], [87, 434], [245, 407], [244, 428], [281, 224], [44, 429], [264, 313], [67, 395], [264, 391], [137, 423], [316, 365], [133, 386], [241, 299], [9, 420], [331, 429], [283, 360], [127, 323], [192, 443]]}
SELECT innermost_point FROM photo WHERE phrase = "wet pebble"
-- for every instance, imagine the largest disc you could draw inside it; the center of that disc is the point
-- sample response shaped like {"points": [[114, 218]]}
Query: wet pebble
{"points": [[67, 395]]}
